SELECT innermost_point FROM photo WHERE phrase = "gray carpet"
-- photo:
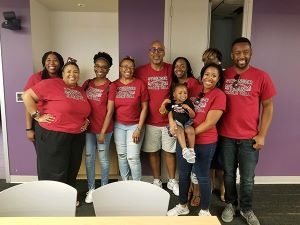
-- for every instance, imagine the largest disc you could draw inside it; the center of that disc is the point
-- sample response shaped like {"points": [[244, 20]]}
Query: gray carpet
{"points": [[273, 204]]}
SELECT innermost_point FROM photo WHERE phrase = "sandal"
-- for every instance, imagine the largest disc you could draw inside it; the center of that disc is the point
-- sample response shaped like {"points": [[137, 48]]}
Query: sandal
{"points": [[195, 200]]}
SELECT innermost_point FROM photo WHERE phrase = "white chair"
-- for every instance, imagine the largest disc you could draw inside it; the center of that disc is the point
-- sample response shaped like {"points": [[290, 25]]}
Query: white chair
{"points": [[38, 198], [130, 198]]}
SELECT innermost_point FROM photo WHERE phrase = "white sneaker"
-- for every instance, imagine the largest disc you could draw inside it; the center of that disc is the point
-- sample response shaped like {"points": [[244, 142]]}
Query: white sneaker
{"points": [[173, 186], [89, 196], [157, 182], [204, 212], [178, 210]]}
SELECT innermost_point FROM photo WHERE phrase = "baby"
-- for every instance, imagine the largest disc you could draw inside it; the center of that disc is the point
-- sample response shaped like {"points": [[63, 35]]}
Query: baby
{"points": [[181, 114]]}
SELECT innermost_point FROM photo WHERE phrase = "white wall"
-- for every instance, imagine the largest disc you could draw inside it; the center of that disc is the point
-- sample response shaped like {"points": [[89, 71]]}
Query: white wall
{"points": [[81, 35], [181, 38], [41, 33]]}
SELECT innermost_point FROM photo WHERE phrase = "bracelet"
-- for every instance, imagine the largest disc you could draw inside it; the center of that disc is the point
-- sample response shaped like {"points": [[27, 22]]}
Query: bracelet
{"points": [[35, 114], [28, 129], [163, 112], [138, 129]]}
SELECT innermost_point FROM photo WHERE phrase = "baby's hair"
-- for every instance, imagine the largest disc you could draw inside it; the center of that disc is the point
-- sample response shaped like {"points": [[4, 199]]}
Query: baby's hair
{"points": [[179, 85], [105, 56]]}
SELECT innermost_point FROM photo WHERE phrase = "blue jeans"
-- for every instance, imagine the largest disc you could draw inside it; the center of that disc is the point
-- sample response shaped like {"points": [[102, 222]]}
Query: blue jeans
{"points": [[239, 153], [204, 155], [91, 146], [128, 151]]}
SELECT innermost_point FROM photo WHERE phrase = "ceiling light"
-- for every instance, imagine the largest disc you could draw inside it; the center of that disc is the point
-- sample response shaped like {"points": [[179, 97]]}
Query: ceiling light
{"points": [[80, 5]]}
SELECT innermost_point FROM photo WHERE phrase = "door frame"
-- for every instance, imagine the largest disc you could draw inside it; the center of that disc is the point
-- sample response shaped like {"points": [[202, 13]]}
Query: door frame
{"points": [[3, 121], [247, 18]]}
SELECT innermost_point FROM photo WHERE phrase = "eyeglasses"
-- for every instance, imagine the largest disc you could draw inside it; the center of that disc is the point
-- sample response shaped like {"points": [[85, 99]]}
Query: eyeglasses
{"points": [[97, 67], [158, 50], [201, 95], [236, 80], [127, 67]]}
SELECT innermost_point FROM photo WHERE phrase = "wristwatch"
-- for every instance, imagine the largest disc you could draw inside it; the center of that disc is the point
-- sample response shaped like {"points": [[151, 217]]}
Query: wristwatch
{"points": [[35, 114]]}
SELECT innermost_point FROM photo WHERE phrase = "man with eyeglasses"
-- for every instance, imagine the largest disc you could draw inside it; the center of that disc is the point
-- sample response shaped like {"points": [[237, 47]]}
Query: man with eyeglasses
{"points": [[157, 75], [241, 138]]}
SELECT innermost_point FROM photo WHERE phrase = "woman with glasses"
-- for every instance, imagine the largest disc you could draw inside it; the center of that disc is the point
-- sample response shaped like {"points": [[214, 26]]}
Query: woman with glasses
{"points": [[209, 103], [101, 125], [129, 96]]}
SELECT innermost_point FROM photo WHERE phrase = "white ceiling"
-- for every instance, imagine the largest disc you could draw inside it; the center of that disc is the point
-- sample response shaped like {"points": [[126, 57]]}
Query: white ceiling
{"points": [[226, 8], [221, 8], [89, 5]]}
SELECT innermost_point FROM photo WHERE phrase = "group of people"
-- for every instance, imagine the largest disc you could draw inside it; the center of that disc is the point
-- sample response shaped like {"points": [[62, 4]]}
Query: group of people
{"points": [[157, 106]]}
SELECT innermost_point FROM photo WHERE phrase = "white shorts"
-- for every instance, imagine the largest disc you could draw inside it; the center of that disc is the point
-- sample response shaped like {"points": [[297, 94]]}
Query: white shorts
{"points": [[157, 138]]}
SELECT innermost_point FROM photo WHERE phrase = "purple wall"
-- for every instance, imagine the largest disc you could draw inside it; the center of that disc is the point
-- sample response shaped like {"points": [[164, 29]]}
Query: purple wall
{"points": [[276, 49], [17, 66], [140, 23], [275, 37]]}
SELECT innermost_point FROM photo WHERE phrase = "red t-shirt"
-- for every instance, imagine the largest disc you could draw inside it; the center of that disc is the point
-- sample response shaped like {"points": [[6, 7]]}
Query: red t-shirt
{"points": [[243, 103], [127, 100], [33, 80], [158, 84], [192, 85], [97, 97], [213, 100], [69, 105]]}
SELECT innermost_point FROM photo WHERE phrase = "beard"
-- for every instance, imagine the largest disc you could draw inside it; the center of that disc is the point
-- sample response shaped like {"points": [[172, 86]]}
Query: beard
{"points": [[241, 66]]}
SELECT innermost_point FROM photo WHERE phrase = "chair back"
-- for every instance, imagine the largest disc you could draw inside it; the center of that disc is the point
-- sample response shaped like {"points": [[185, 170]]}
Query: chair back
{"points": [[38, 198], [130, 198]]}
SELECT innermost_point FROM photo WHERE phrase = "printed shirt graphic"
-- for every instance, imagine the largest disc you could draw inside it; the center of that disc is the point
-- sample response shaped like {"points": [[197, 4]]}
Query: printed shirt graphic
{"points": [[97, 97], [179, 113], [127, 100], [213, 100], [158, 84], [69, 106], [241, 118]]}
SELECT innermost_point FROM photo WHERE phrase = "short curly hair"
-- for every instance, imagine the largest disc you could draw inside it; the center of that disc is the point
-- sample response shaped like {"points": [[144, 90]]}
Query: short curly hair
{"points": [[105, 56]]}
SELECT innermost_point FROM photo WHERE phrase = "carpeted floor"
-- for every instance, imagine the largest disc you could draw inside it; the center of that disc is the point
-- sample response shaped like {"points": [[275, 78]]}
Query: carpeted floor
{"points": [[273, 204]]}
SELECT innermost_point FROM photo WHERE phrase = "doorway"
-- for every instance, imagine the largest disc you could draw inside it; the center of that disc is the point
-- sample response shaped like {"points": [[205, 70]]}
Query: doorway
{"points": [[229, 19]]}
